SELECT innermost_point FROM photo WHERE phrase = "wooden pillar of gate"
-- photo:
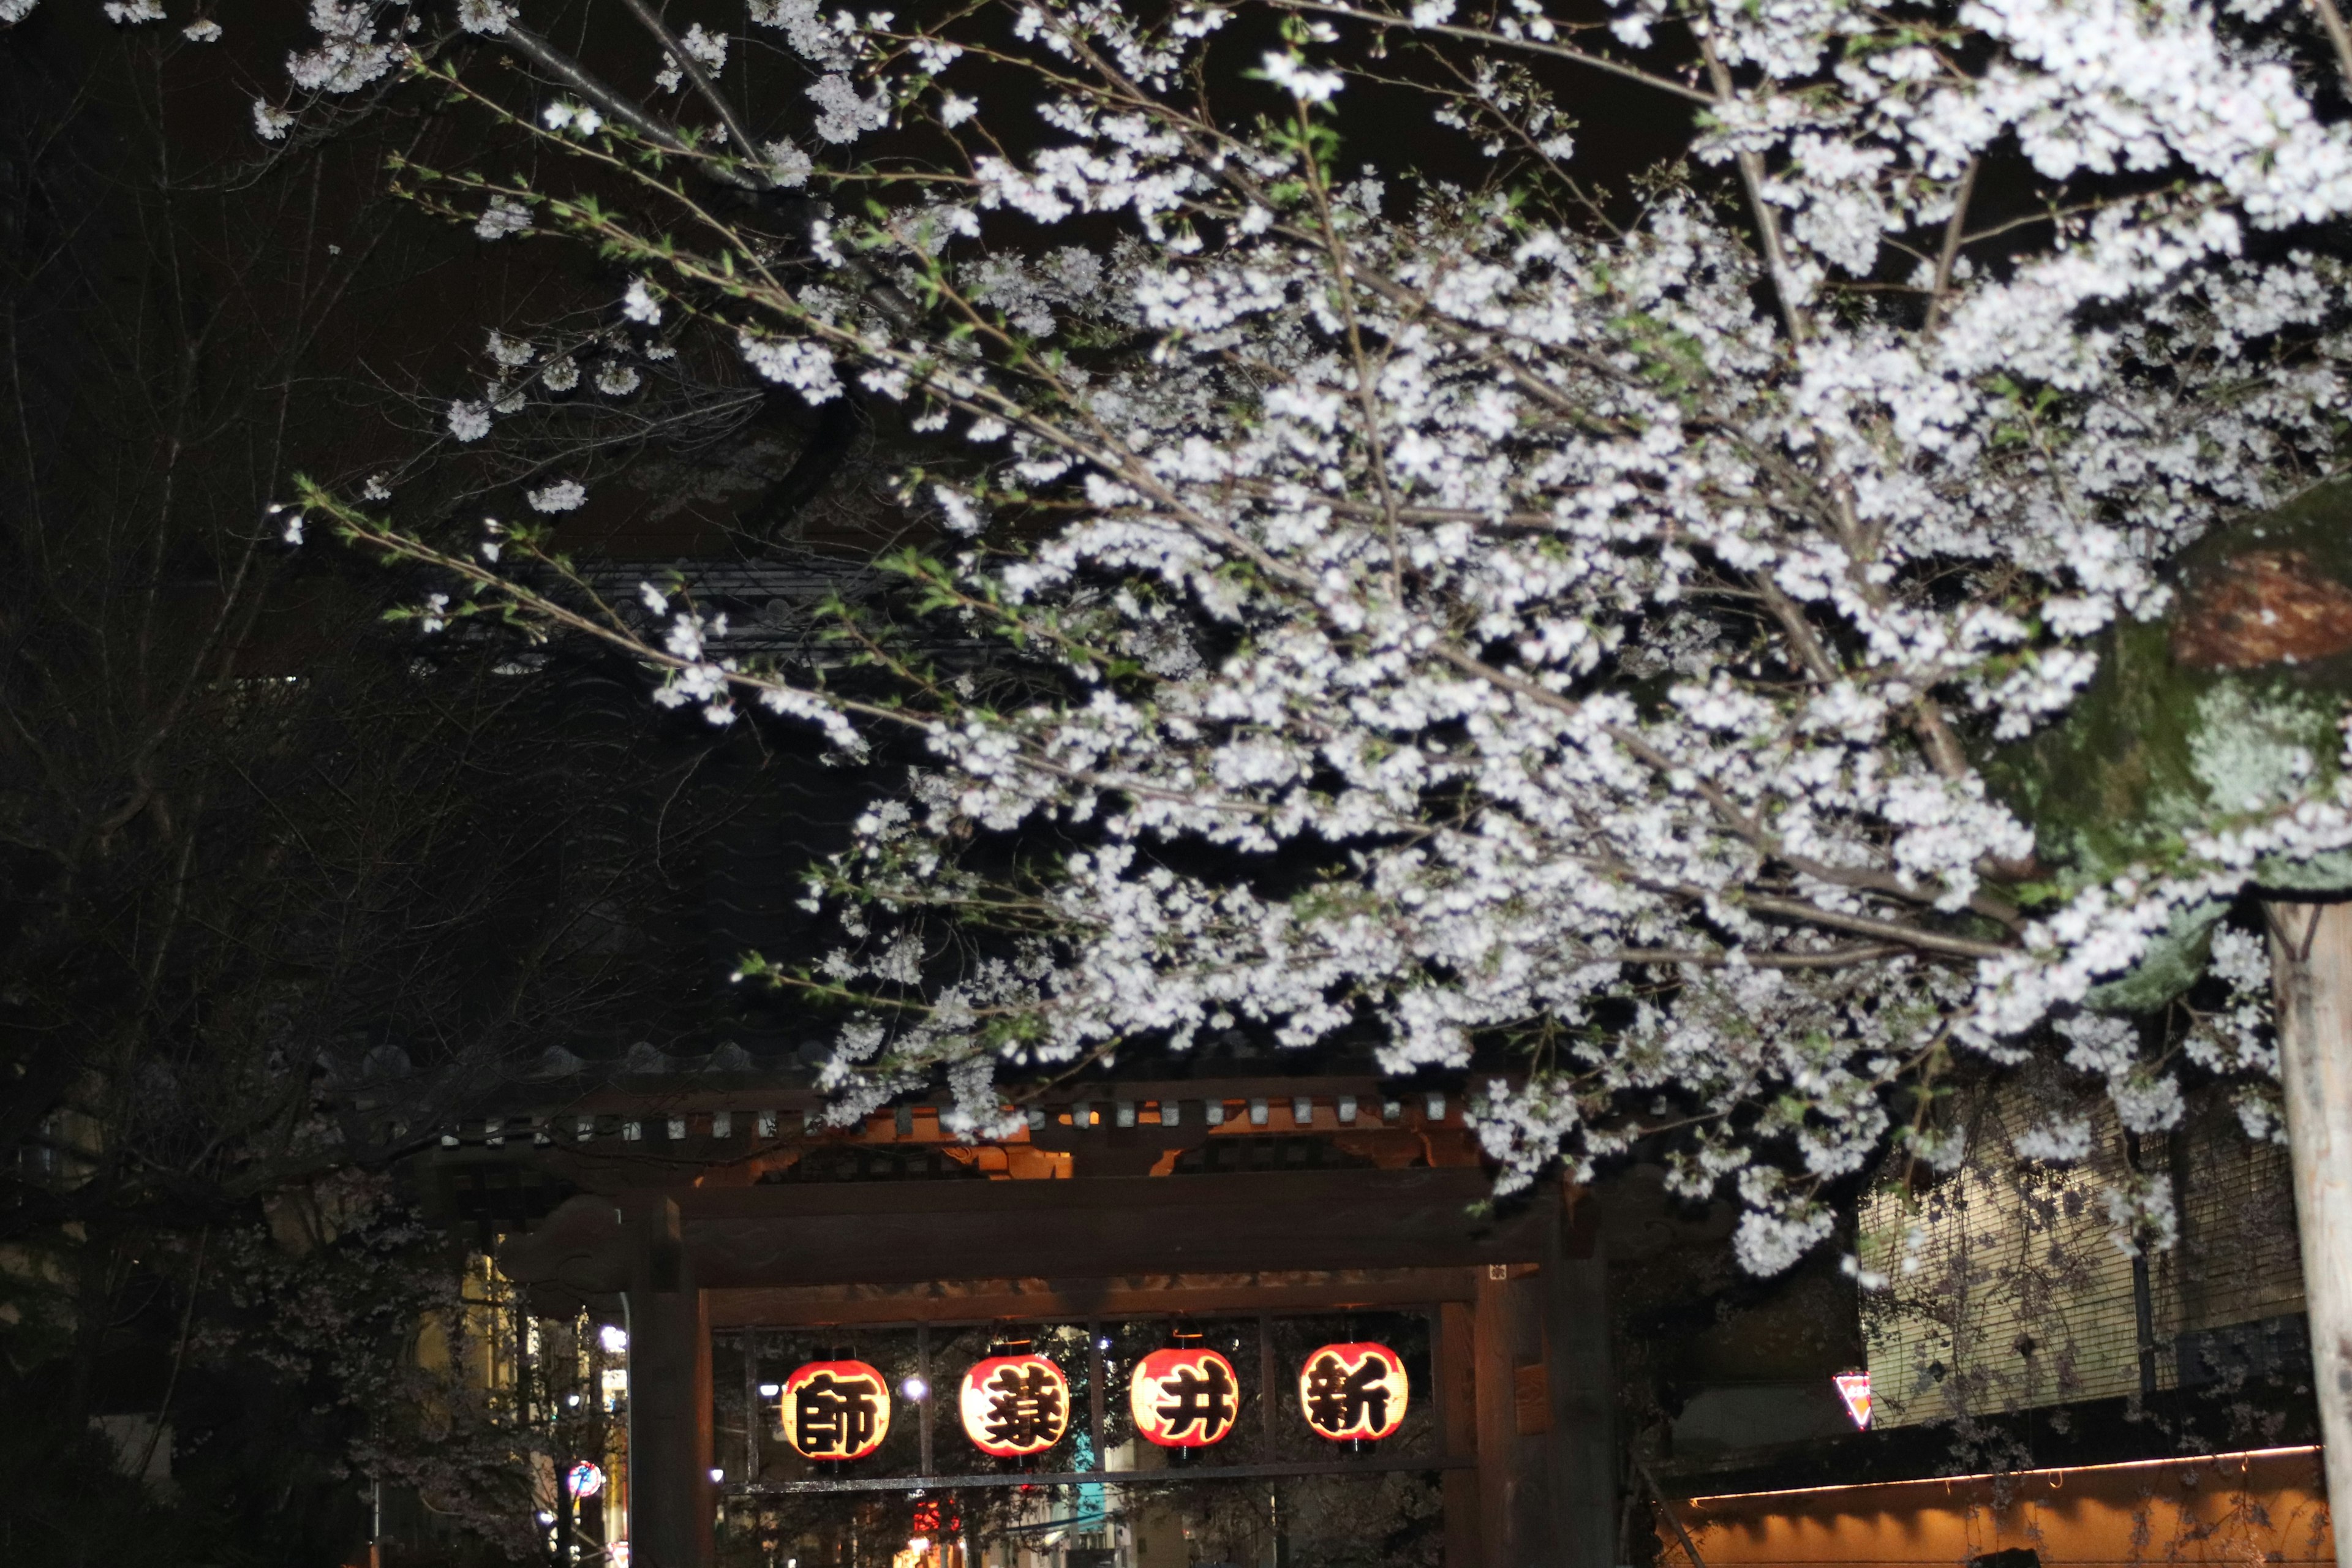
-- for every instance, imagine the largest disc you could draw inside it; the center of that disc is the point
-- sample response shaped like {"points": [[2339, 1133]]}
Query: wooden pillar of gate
{"points": [[1501, 1479], [1488, 1350], [671, 1497], [1582, 1451], [1517, 1527], [1458, 1423], [1533, 1348]]}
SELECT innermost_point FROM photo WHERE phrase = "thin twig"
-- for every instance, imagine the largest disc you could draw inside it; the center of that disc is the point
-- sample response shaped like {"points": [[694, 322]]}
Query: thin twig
{"points": [[556, 63], [1664, 84], [179, 1356], [1955, 234], [703, 86]]}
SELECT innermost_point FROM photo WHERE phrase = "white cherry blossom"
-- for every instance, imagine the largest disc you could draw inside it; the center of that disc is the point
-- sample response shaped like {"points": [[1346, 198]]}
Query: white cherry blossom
{"points": [[1568, 650]]}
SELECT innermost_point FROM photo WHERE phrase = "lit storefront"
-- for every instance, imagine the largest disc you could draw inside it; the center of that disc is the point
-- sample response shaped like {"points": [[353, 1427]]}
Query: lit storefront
{"points": [[2264, 1506]]}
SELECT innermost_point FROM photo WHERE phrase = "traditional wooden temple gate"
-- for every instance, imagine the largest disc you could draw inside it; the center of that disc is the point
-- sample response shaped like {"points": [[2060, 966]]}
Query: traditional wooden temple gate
{"points": [[723, 1210]]}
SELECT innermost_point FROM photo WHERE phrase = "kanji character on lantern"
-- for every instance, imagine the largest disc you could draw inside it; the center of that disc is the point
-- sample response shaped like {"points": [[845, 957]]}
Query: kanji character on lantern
{"points": [[1184, 1398], [1014, 1404], [1354, 1392], [835, 1410]]}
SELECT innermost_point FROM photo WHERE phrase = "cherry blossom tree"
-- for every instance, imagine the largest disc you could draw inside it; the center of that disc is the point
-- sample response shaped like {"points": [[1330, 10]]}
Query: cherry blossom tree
{"points": [[1688, 645]]}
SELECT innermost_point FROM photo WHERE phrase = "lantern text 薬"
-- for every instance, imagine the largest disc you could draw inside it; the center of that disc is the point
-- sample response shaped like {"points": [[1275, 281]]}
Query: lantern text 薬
{"points": [[1015, 1404]]}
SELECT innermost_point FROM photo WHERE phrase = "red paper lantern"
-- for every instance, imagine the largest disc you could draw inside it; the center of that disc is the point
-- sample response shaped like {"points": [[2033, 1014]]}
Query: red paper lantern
{"points": [[1184, 1398], [1353, 1391], [1014, 1404], [835, 1410]]}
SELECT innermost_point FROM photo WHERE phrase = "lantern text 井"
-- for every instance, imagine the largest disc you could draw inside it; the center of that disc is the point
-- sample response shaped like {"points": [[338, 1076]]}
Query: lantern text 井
{"points": [[1184, 1398]]}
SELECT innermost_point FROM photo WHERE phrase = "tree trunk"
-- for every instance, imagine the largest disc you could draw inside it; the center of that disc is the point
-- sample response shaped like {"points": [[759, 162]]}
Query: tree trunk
{"points": [[2310, 974]]}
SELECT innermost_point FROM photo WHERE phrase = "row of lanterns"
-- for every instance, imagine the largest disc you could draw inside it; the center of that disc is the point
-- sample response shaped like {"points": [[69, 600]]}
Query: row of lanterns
{"points": [[1012, 1407]]}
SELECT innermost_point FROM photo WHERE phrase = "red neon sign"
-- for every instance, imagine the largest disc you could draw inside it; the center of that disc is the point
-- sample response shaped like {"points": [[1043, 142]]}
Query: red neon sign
{"points": [[1853, 1387]]}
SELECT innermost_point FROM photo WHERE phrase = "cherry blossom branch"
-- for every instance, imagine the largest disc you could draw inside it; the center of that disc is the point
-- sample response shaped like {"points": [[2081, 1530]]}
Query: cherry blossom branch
{"points": [[1865, 952], [1750, 164], [1955, 231], [2339, 37], [1493, 39], [611, 104], [1863, 925], [703, 86]]}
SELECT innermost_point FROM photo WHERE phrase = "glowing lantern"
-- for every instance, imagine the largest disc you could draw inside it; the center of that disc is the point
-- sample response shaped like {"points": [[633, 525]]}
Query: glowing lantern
{"points": [[1353, 1391], [835, 1410], [1853, 1387], [583, 1480], [1015, 1404], [1184, 1398]]}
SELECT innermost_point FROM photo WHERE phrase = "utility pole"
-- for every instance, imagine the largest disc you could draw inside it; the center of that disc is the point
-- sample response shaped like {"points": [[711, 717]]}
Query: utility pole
{"points": [[2311, 972]]}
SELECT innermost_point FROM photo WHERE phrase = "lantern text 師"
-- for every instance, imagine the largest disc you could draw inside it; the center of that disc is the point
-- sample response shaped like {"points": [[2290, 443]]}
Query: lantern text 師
{"points": [[835, 1410]]}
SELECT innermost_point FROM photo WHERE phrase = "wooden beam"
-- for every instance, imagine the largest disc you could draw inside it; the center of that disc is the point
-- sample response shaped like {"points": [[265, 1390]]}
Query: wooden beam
{"points": [[909, 1232], [1031, 1300], [1370, 1464], [681, 1094]]}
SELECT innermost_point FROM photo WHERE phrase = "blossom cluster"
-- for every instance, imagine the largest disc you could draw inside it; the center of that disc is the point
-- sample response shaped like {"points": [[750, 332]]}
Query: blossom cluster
{"points": [[1476, 623]]}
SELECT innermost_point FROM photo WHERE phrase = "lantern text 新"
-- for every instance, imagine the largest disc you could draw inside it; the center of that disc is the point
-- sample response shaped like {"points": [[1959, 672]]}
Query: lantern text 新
{"points": [[1353, 1391]]}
